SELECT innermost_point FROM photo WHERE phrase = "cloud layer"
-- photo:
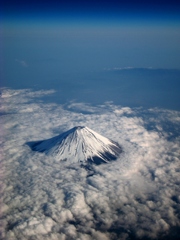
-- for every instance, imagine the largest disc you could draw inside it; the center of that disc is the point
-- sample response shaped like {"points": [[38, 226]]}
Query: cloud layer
{"points": [[135, 197]]}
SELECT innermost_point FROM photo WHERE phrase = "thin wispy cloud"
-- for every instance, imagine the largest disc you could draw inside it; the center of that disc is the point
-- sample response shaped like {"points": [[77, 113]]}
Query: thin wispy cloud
{"points": [[22, 63], [134, 197], [131, 68]]}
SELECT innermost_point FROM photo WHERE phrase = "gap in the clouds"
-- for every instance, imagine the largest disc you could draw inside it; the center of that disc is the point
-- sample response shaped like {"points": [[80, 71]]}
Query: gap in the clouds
{"points": [[164, 125], [147, 88], [132, 87]]}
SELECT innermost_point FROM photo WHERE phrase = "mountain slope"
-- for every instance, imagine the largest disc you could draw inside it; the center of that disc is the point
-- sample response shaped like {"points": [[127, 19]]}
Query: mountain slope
{"points": [[79, 144]]}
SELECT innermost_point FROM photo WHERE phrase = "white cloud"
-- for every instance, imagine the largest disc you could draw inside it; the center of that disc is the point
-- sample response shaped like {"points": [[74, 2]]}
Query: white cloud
{"points": [[133, 197]]}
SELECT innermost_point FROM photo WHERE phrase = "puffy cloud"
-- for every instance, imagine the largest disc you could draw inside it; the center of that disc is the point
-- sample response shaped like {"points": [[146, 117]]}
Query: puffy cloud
{"points": [[135, 197]]}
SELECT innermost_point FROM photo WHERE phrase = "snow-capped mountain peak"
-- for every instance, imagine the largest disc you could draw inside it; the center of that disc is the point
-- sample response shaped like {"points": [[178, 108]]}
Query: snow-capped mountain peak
{"points": [[79, 144]]}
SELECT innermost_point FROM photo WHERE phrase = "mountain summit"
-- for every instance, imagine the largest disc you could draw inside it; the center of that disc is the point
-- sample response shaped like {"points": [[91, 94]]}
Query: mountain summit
{"points": [[79, 144]]}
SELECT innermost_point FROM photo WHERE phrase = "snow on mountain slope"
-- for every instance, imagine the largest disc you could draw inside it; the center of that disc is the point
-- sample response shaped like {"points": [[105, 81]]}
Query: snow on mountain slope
{"points": [[79, 144]]}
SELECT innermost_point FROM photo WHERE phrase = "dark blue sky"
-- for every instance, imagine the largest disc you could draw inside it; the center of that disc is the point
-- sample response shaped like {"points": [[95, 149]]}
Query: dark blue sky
{"points": [[99, 9]]}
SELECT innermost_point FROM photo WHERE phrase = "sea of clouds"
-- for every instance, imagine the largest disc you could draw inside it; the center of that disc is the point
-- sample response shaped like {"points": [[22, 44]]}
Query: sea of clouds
{"points": [[135, 197]]}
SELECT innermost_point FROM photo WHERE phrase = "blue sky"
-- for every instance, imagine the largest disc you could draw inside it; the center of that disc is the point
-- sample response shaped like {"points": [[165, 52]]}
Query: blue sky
{"points": [[92, 7], [144, 34], [71, 45]]}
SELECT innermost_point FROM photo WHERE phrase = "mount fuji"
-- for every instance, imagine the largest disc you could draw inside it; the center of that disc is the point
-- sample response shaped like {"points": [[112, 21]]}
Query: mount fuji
{"points": [[79, 144]]}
